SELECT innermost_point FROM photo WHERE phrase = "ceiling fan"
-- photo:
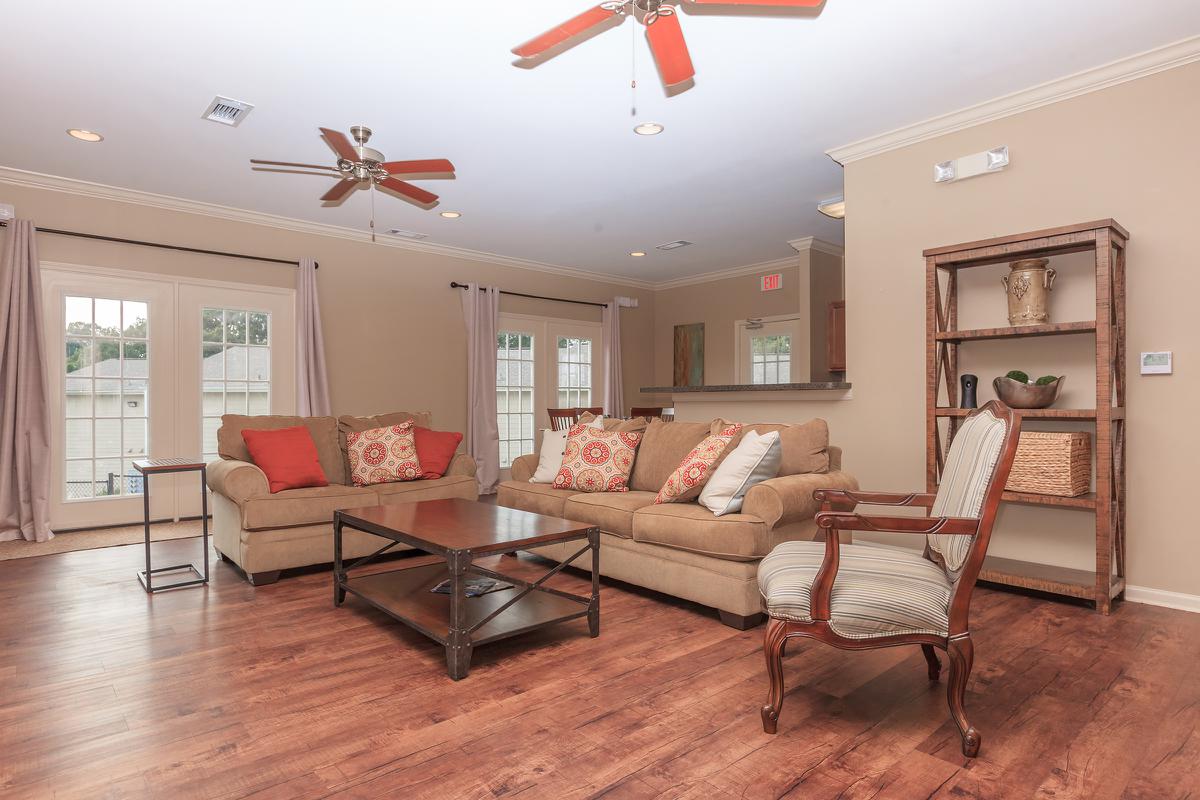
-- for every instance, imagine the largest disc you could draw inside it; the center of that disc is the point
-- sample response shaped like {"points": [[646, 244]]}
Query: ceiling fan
{"points": [[663, 33], [358, 164]]}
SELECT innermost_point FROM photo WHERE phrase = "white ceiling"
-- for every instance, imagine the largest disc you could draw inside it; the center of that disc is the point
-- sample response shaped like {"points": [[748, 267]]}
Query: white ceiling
{"points": [[548, 167]]}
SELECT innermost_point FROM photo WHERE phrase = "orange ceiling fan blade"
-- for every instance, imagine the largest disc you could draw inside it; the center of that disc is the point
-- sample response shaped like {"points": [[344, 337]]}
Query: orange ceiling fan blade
{"points": [[572, 27], [670, 50], [429, 166], [784, 3], [339, 191], [338, 142], [414, 193]]}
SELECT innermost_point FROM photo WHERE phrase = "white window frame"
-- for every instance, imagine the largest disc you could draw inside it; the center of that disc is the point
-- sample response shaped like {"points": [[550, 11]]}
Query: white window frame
{"points": [[793, 325]]}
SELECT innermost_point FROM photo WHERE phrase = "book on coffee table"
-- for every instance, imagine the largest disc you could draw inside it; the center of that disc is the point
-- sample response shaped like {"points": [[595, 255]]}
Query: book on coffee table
{"points": [[474, 587]]}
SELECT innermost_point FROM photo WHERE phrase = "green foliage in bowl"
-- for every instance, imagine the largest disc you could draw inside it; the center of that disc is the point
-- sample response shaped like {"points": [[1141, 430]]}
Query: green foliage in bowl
{"points": [[1046, 380], [1017, 375]]}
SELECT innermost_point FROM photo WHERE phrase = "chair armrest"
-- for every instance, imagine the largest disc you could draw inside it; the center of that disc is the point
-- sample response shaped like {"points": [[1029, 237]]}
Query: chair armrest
{"points": [[462, 464], [844, 521], [524, 467], [851, 498], [790, 498], [237, 480]]}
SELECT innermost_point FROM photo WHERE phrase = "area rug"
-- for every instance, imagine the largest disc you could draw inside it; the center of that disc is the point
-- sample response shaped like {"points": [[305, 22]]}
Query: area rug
{"points": [[101, 537]]}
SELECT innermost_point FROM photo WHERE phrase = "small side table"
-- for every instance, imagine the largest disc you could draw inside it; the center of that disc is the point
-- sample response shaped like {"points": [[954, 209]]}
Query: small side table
{"points": [[166, 466]]}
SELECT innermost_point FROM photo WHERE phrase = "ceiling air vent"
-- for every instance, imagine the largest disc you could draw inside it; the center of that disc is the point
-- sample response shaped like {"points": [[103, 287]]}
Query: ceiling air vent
{"points": [[227, 111], [673, 245], [407, 234]]}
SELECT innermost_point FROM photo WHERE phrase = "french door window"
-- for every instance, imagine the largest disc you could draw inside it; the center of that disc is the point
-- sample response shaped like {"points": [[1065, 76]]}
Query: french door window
{"points": [[771, 359], [574, 372], [106, 384], [236, 365], [515, 388]]}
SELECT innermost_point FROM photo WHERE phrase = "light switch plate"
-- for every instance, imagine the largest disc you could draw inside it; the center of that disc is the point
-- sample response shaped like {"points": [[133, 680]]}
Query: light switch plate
{"points": [[1158, 363]]}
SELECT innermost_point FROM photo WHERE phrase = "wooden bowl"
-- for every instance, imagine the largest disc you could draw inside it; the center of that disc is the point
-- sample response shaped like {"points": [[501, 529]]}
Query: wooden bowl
{"points": [[1027, 395]]}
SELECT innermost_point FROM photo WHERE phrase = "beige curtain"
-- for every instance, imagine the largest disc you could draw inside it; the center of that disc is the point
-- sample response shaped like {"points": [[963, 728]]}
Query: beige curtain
{"points": [[24, 397], [312, 383], [481, 311], [614, 389]]}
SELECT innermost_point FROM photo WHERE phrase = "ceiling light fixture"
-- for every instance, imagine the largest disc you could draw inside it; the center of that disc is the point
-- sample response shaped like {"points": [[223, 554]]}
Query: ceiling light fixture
{"points": [[637, 254], [648, 129], [85, 136], [451, 214], [834, 207]]}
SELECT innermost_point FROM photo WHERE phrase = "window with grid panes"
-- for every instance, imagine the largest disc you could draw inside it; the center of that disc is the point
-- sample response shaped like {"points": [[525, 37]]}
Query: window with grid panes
{"points": [[514, 394], [574, 372], [236, 357], [771, 359]]}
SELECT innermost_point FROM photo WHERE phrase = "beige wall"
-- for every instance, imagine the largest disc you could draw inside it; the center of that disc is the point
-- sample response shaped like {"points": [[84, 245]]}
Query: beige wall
{"points": [[393, 328], [1127, 152], [825, 284]]}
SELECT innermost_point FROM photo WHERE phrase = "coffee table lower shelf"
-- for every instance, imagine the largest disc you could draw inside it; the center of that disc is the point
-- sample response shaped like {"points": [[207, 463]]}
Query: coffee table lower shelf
{"points": [[404, 594]]}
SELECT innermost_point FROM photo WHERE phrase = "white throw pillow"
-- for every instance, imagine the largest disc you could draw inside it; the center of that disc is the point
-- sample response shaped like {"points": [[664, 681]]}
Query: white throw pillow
{"points": [[754, 460], [551, 455]]}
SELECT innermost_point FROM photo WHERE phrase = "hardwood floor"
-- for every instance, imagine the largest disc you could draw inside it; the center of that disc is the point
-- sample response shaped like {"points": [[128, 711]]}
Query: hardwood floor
{"points": [[238, 692]]}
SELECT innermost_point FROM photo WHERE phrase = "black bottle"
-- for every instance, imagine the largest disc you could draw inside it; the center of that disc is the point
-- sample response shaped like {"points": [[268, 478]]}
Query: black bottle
{"points": [[969, 384]]}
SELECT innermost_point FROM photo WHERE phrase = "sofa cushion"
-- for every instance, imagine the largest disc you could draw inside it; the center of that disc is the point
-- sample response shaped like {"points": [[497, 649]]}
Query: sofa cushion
{"points": [[805, 446], [689, 526], [287, 456], [610, 511], [688, 479], [348, 424], [310, 506], [540, 498], [597, 460], [324, 431], [435, 450], [464, 486], [383, 455], [663, 447]]}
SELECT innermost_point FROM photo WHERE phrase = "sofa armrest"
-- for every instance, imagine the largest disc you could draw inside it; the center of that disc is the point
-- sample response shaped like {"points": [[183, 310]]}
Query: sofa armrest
{"points": [[237, 480], [462, 464], [789, 498], [524, 467]]}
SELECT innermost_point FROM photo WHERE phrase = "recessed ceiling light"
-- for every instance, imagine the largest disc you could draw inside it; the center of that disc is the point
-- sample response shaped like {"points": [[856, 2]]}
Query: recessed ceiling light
{"points": [[637, 254], [85, 136], [648, 129], [834, 207], [451, 214]]}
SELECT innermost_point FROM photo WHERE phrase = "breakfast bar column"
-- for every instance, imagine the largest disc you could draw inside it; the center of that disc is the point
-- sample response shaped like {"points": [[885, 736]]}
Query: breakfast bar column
{"points": [[458, 642]]}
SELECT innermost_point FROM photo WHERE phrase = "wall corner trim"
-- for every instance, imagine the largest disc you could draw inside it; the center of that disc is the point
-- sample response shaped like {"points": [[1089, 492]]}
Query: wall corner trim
{"points": [[820, 245], [1160, 59], [1161, 597], [55, 183]]}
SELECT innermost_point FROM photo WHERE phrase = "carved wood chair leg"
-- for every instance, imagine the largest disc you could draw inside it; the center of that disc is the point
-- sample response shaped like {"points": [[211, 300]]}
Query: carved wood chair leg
{"points": [[961, 653], [773, 644], [935, 665]]}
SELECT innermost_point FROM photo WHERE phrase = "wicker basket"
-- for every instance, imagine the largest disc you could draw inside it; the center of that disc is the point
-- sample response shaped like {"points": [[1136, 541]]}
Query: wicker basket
{"points": [[1052, 462]]}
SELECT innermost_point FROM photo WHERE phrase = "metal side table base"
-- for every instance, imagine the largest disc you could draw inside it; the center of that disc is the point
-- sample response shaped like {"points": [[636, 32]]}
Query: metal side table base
{"points": [[163, 466]]}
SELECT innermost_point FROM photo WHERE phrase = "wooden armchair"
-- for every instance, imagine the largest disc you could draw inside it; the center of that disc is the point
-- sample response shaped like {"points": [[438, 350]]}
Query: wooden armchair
{"points": [[859, 597]]}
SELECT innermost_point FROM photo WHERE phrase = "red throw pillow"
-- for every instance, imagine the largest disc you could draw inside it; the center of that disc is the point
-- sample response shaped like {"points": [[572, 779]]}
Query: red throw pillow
{"points": [[435, 450], [288, 456]]}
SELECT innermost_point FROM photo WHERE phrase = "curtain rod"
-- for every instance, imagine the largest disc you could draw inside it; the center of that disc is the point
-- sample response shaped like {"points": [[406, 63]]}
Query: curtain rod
{"points": [[180, 248], [457, 285]]}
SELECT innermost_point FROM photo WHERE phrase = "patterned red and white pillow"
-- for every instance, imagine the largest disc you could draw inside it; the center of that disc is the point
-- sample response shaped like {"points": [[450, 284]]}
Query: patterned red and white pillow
{"points": [[693, 472], [383, 455], [597, 460]]}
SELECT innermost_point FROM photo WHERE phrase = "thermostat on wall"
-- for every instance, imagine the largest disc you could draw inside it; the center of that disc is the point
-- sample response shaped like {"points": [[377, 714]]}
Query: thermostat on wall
{"points": [[1156, 363]]}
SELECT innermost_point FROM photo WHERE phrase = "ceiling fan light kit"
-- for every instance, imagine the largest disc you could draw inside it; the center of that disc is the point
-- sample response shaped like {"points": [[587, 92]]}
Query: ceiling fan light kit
{"points": [[648, 129], [84, 135]]}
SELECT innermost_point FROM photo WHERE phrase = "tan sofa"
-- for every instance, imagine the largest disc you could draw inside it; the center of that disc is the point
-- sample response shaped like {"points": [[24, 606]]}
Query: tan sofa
{"points": [[264, 533], [682, 549]]}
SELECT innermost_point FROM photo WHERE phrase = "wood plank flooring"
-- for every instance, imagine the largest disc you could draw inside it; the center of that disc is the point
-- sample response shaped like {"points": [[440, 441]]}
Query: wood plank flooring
{"points": [[272, 694]]}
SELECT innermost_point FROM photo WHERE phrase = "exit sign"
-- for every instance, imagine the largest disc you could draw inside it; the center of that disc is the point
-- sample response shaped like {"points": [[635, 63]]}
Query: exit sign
{"points": [[769, 283]]}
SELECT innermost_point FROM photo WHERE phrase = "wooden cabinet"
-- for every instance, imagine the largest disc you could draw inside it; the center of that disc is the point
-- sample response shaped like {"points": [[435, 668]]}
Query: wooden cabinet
{"points": [[1106, 240], [835, 336]]}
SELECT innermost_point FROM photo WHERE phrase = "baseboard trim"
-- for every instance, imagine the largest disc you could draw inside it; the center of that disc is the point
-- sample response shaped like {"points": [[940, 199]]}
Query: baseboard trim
{"points": [[1161, 597]]}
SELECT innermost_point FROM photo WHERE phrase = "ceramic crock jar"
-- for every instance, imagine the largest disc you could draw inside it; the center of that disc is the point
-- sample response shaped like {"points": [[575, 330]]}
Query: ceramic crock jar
{"points": [[1028, 285]]}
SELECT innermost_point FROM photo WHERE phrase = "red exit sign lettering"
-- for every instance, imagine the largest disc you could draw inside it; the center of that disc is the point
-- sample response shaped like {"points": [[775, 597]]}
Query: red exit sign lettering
{"points": [[769, 283]]}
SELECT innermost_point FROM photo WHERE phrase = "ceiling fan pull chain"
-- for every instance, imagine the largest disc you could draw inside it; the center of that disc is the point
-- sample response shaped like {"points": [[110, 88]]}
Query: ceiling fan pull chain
{"points": [[372, 211], [633, 70]]}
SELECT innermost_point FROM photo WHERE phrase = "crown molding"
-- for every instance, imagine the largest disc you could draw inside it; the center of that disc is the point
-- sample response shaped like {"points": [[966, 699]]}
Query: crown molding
{"points": [[732, 272], [1176, 54], [37, 180], [807, 243]]}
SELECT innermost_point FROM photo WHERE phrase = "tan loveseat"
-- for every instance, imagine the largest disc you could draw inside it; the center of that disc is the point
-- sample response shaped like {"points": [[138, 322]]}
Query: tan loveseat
{"points": [[264, 533], [682, 549]]}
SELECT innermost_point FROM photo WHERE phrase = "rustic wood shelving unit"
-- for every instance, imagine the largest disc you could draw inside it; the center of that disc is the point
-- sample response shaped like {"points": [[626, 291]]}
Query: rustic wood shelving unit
{"points": [[1106, 239]]}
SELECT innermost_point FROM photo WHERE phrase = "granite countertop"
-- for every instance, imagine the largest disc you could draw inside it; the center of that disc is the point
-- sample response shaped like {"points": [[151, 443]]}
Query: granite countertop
{"points": [[751, 387]]}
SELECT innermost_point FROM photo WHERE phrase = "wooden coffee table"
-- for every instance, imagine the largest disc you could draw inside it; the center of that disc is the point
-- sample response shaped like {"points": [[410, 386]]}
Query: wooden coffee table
{"points": [[456, 532]]}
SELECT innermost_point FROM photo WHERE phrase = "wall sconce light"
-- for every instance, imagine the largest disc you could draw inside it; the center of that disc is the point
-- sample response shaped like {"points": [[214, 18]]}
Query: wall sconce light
{"points": [[834, 207], [965, 167]]}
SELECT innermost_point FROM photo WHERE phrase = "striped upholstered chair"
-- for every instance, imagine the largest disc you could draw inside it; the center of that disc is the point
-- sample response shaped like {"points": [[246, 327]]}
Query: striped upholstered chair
{"points": [[860, 597]]}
